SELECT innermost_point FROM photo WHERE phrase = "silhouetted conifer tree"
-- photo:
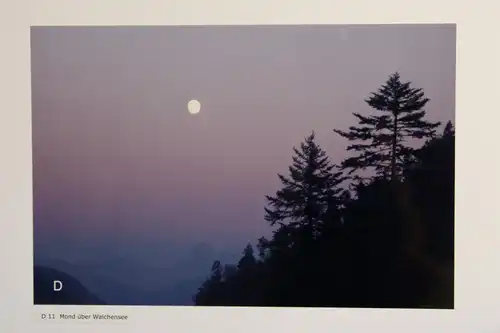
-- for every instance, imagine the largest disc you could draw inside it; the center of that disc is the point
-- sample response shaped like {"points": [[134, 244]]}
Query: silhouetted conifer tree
{"points": [[262, 247], [393, 248], [401, 117], [248, 259], [310, 189], [449, 130], [210, 291]]}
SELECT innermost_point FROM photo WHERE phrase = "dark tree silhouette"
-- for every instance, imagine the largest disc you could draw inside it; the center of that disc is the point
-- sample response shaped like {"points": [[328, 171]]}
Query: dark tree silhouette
{"points": [[248, 260], [393, 249], [310, 190], [389, 244], [433, 179], [262, 247], [211, 288], [449, 130], [229, 272], [385, 136]]}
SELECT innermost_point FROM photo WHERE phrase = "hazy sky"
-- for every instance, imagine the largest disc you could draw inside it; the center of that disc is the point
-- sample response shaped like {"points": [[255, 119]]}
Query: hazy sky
{"points": [[117, 155]]}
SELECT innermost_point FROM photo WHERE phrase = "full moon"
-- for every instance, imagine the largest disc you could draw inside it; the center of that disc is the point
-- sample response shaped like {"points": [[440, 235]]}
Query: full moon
{"points": [[194, 106]]}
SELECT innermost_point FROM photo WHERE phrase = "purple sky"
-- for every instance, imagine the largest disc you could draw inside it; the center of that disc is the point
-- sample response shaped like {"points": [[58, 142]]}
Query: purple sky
{"points": [[117, 155]]}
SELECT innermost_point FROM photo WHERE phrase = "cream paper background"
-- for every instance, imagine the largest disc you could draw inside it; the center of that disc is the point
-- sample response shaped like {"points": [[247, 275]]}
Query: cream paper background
{"points": [[477, 199]]}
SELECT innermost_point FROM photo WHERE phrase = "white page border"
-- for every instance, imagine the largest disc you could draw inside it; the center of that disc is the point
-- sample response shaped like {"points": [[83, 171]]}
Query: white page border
{"points": [[477, 223]]}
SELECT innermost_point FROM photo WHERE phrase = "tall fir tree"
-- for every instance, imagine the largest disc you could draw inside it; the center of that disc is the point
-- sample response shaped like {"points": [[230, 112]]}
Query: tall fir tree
{"points": [[311, 188], [385, 136]]}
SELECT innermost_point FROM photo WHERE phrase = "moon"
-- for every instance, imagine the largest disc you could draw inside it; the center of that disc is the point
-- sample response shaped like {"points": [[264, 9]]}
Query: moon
{"points": [[194, 106]]}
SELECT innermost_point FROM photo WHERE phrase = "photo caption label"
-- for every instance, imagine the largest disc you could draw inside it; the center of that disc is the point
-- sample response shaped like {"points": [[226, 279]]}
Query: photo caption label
{"points": [[87, 317]]}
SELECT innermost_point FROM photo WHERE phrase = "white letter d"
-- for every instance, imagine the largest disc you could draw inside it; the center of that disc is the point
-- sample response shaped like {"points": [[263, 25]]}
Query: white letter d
{"points": [[58, 285]]}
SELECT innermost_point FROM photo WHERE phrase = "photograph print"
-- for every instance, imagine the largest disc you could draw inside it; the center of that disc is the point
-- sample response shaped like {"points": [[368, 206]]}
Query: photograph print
{"points": [[264, 166]]}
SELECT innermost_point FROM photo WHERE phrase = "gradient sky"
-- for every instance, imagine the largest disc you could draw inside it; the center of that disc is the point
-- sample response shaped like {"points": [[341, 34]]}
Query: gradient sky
{"points": [[117, 156]]}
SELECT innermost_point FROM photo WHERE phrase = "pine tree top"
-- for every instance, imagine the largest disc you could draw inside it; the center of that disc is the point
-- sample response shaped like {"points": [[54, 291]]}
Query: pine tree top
{"points": [[381, 140], [311, 184]]}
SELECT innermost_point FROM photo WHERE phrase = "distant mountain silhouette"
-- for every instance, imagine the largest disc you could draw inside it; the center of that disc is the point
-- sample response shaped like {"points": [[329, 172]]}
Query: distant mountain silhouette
{"points": [[134, 281], [72, 293]]}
